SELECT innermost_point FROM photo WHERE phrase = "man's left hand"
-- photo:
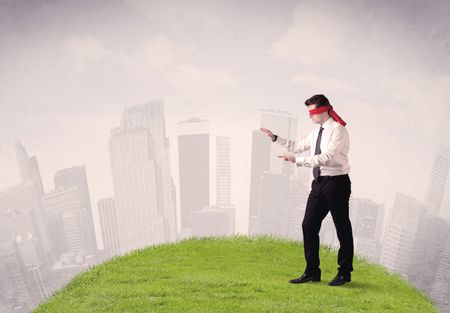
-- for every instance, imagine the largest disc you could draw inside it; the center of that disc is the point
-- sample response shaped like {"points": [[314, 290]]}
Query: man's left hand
{"points": [[288, 157]]}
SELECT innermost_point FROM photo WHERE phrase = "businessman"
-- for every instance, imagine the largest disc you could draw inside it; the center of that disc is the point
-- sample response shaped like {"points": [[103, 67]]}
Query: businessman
{"points": [[330, 189]]}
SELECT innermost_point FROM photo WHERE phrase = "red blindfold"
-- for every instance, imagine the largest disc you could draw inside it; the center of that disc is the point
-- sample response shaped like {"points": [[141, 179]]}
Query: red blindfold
{"points": [[330, 110]]}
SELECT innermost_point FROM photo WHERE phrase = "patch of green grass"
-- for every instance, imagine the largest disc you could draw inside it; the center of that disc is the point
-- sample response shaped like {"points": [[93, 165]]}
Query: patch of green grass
{"points": [[231, 274]]}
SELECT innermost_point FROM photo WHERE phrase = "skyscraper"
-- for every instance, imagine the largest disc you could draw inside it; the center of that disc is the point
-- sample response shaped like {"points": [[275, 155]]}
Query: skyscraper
{"points": [[440, 292], [28, 249], [16, 287], [273, 207], [76, 177], [108, 223], [20, 201], [265, 164], [28, 167], [283, 124], [64, 212], [223, 183], [143, 187], [260, 164], [150, 115], [429, 243], [223, 171], [30, 192], [438, 179], [400, 233], [297, 203], [367, 220], [193, 160]]}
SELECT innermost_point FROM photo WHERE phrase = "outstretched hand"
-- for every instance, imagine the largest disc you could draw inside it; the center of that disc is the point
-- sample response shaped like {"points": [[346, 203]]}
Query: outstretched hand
{"points": [[288, 157], [267, 132]]}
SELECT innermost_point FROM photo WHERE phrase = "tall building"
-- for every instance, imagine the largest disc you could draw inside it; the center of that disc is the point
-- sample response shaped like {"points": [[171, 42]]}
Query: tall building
{"points": [[281, 206], [143, 186], [265, 161], [273, 218], [25, 246], [28, 168], [223, 171], [16, 292], [223, 181], [193, 160], [297, 204], [108, 223], [203, 219], [76, 177], [283, 124], [150, 115], [23, 256], [429, 243], [400, 233], [260, 163], [438, 179], [440, 292], [64, 212], [28, 248], [24, 201], [367, 222], [28, 193]]}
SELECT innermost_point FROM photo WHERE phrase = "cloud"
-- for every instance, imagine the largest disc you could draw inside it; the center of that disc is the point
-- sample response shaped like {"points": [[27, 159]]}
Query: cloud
{"points": [[179, 14], [163, 54], [87, 49], [318, 35], [422, 98], [195, 80], [327, 85], [158, 58], [357, 37]]}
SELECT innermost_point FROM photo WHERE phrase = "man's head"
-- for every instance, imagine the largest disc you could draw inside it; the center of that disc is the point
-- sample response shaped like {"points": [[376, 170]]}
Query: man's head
{"points": [[315, 102]]}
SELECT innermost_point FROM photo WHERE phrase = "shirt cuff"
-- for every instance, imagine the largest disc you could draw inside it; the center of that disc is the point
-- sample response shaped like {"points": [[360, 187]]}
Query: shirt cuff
{"points": [[300, 161]]}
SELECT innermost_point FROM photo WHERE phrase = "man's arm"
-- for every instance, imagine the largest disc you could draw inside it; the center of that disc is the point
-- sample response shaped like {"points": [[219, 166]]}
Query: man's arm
{"points": [[338, 141], [295, 146], [292, 146]]}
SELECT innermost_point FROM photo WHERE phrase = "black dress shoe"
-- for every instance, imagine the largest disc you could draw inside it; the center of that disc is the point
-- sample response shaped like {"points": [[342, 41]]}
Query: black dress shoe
{"points": [[306, 277], [340, 279]]}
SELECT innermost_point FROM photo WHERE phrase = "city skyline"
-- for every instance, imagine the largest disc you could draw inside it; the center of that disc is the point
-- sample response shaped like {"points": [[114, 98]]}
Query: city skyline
{"points": [[401, 241], [440, 149]]}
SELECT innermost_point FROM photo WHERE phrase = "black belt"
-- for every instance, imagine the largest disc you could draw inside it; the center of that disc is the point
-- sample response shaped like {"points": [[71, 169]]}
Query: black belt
{"points": [[324, 177]]}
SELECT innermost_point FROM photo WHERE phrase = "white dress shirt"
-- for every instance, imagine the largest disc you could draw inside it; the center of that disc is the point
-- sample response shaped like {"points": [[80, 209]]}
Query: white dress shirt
{"points": [[334, 147]]}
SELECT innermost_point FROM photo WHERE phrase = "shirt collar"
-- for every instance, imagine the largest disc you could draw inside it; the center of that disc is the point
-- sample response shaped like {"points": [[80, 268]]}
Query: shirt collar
{"points": [[328, 123]]}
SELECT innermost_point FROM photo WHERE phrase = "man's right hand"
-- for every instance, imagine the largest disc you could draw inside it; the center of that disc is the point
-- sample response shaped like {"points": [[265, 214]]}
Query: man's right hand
{"points": [[267, 132]]}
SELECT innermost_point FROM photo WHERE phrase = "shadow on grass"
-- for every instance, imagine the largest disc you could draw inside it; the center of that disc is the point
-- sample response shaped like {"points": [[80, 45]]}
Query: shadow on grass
{"points": [[350, 285], [358, 285]]}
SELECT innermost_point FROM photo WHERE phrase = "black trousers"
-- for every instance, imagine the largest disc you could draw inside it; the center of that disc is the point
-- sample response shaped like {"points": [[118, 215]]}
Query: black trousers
{"points": [[328, 193]]}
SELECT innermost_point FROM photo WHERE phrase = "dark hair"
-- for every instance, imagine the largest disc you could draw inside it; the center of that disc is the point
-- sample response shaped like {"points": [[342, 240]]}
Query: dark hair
{"points": [[318, 100]]}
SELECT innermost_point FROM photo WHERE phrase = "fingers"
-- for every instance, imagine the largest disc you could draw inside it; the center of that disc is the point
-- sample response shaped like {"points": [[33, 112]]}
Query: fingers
{"points": [[287, 158], [266, 131]]}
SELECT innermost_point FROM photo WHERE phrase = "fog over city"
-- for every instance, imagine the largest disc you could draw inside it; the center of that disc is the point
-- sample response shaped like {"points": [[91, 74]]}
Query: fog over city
{"points": [[79, 78]]}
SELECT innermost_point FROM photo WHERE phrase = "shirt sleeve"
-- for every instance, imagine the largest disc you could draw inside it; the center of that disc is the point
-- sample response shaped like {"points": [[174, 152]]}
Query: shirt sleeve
{"points": [[339, 139], [295, 146]]}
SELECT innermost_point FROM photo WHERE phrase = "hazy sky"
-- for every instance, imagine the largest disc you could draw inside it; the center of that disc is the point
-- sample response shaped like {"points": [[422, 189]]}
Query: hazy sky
{"points": [[68, 68]]}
